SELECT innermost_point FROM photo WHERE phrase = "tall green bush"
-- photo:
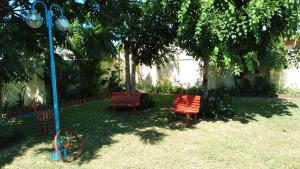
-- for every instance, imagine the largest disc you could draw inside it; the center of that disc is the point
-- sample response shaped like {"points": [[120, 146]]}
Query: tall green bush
{"points": [[165, 86], [219, 105]]}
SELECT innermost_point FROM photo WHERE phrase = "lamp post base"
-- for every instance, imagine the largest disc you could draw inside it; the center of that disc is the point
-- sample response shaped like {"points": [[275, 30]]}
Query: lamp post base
{"points": [[55, 156]]}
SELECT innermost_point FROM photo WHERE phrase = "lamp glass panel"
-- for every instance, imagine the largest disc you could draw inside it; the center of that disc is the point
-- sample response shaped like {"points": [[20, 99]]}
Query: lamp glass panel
{"points": [[62, 23], [33, 19]]}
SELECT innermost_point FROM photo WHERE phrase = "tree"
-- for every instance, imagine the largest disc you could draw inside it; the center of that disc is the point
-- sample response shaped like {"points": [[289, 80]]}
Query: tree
{"points": [[12, 44], [20, 43], [148, 33], [141, 27], [90, 43], [129, 19], [153, 35], [229, 33]]}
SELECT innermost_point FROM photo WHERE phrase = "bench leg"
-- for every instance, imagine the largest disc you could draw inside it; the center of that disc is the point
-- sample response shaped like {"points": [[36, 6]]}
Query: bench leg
{"points": [[39, 129], [44, 128], [187, 119], [195, 118], [114, 112], [177, 116], [134, 110]]}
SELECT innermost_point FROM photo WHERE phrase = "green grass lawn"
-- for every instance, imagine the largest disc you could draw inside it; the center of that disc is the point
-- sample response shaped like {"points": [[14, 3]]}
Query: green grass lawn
{"points": [[264, 134]]}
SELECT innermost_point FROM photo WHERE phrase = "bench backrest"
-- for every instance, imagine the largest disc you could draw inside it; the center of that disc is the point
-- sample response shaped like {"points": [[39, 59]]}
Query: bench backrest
{"points": [[44, 115], [188, 103], [126, 98]]}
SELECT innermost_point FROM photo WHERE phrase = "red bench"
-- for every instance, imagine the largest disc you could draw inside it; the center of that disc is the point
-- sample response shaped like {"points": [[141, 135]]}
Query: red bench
{"points": [[122, 99], [45, 121], [186, 105]]}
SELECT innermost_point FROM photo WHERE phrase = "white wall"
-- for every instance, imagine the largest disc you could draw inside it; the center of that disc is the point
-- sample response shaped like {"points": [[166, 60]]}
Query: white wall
{"points": [[184, 71], [35, 89], [188, 72], [286, 78], [291, 78]]}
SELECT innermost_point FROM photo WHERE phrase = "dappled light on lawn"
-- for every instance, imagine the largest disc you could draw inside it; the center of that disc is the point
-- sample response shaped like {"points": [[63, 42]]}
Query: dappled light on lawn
{"points": [[263, 129]]}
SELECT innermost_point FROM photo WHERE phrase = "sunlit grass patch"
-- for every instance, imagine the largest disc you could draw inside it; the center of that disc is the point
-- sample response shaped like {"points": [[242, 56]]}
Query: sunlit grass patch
{"points": [[264, 134]]}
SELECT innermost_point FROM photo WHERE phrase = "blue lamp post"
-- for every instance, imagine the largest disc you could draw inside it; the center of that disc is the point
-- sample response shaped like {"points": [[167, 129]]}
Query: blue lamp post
{"points": [[34, 20]]}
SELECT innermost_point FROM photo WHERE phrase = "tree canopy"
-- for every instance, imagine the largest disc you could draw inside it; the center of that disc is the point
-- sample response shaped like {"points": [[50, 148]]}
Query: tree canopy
{"points": [[142, 28], [230, 34], [90, 43], [242, 35]]}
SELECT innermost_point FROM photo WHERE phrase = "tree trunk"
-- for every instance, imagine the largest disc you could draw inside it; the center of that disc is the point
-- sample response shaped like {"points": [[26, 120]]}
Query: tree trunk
{"points": [[47, 81], [127, 68], [91, 79], [133, 71], [205, 78], [133, 74], [1, 97], [83, 81]]}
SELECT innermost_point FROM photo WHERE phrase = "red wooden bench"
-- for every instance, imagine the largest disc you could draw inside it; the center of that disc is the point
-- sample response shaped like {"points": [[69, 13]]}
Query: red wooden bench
{"points": [[44, 119], [186, 105], [122, 99]]}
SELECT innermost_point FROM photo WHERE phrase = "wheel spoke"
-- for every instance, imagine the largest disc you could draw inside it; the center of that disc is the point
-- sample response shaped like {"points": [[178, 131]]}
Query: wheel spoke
{"points": [[68, 143]]}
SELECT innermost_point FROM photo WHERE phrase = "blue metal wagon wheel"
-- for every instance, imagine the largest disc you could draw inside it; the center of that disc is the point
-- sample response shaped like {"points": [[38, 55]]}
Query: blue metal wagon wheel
{"points": [[67, 145]]}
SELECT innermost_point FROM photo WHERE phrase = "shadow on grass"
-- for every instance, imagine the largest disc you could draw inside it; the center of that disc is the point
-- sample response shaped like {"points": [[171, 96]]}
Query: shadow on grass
{"points": [[10, 152], [105, 126], [97, 127], [247, 109], [24, 135], [151, 136]]}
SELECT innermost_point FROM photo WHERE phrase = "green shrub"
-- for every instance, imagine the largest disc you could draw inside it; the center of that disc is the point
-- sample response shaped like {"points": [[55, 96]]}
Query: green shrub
{"points": [[113, 83], [233, 91], [264, 87], [287, 90], [195, 90], [218, 105], [165, 86], [146, 101], [244, 86], [178, 89], [145, 88], [72, 94], [4, 108]]}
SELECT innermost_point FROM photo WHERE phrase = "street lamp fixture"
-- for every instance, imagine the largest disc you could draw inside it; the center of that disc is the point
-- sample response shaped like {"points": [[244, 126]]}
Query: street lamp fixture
{"points": [[35, 20], [62, 23], [62, 145]]}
